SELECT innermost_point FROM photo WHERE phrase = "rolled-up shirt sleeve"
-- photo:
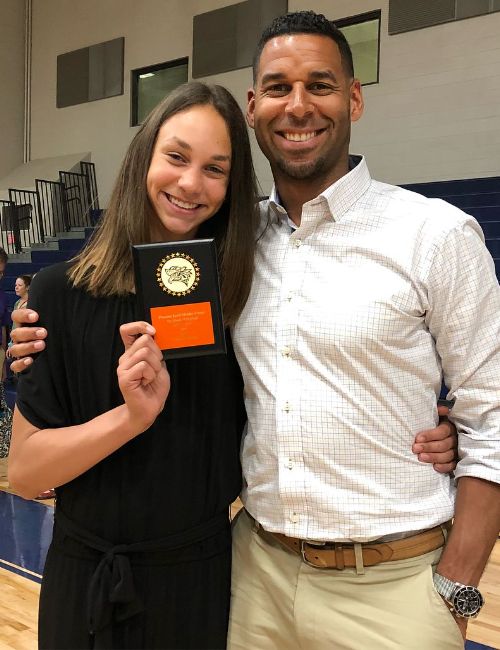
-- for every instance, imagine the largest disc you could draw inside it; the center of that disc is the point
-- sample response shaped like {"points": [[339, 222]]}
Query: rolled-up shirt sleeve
{"points": [[464, 319]]}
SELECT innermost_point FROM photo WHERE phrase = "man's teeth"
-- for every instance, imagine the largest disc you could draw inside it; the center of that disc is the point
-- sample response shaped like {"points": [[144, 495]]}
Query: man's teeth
{"points": [[300, 137], [182, 204]]}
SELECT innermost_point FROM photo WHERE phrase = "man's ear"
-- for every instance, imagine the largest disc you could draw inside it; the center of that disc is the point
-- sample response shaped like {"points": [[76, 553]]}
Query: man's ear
{"points": [[250, 107], [357, 103]]}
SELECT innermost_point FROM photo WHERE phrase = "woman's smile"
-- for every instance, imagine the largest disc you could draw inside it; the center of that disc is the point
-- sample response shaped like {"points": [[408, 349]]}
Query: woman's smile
{"points": [[189, 172]]}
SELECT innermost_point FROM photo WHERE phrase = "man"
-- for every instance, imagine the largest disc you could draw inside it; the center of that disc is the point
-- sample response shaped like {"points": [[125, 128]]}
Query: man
{"points": [[363, 295]]}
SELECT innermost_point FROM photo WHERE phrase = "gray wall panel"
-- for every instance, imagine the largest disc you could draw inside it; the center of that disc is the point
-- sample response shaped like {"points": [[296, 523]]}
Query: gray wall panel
{"points": [[97, 72], [91, 73], [225, 39], [407, 15], [468, 8], [73, 78]]}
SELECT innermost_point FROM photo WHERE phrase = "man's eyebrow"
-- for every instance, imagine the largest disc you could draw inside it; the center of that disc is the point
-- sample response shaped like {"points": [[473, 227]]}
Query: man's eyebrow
{"points": [[323, 74], [272, 76], [314, 75]]}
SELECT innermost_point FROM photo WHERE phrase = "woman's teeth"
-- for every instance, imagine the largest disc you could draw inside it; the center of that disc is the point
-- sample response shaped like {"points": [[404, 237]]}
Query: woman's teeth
{"points": [[182, 204]]}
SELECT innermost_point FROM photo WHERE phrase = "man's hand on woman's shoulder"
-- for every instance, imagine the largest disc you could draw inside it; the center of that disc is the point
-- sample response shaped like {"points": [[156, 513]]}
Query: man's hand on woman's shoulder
{"points": [[28, 339]]}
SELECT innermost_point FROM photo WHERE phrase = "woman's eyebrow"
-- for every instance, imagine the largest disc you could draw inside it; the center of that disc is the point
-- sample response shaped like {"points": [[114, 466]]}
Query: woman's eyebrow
{"points": [[186, 145]]}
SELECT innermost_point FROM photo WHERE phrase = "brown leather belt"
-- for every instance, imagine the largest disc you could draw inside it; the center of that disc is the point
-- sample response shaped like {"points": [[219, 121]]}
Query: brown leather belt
{"points": [[338, 555]]}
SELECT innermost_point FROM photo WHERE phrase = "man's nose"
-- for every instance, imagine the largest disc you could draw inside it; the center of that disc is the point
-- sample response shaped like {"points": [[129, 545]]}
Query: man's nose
{"points": [[299, 103]]}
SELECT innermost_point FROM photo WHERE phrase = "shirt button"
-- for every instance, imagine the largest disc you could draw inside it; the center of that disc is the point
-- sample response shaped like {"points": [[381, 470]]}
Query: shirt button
{"points": [[287, 407], [294, 517], [289, 297], [286, 351], [297, 243], [289, 464]]}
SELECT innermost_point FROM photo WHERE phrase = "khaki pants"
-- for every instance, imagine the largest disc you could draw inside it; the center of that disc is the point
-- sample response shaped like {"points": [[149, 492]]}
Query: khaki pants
{"points": [[280, 603]]}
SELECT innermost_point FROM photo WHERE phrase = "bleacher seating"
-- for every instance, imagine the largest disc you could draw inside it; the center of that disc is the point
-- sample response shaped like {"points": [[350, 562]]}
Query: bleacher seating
{"points": [[479, 197], [47, 224], [62, 247], [30, 217]]}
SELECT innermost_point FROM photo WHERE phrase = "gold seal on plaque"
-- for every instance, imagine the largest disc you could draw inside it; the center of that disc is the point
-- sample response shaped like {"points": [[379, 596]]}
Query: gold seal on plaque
{"points": [[178, 274]]}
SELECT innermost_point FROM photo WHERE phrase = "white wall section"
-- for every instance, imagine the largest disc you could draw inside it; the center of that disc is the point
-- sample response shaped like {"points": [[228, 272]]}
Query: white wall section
{"points": [[12, 16]]}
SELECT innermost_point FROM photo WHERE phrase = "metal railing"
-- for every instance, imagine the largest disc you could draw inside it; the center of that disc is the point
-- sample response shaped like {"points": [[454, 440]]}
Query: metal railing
{"points": [[78, 198], [6, 219], [26, 224], [30, 216], [88, 170], [54, 208]]}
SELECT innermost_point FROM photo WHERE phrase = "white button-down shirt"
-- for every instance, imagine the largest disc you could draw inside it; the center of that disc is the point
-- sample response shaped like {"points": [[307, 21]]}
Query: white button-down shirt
{"points": [[352, 321]]}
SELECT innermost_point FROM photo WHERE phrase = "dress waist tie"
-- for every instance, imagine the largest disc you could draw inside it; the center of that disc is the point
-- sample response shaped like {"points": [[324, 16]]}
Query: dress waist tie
{"points": [[111, 595]]}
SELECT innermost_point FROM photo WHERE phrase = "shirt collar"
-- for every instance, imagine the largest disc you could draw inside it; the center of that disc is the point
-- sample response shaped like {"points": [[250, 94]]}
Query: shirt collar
{"points": [[340, 196]]}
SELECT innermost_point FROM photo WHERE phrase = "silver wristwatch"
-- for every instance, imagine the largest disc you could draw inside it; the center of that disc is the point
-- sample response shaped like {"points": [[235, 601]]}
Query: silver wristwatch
{"points": [[464, 600]]}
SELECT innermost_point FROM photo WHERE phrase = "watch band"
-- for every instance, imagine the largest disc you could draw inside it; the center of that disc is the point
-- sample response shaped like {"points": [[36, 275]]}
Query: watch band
{"points": [[444, 586]]}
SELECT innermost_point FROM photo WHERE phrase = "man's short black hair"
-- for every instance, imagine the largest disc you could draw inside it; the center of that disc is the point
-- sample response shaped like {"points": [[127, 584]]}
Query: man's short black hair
{"points": [[305, 22]]}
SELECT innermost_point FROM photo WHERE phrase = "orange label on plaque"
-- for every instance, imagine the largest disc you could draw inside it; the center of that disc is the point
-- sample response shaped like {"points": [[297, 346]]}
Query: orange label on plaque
{"points": [[183, 326]]}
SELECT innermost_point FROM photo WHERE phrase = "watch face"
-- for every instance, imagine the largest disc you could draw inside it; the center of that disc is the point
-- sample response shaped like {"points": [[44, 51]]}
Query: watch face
{"points": [[467, 601]]}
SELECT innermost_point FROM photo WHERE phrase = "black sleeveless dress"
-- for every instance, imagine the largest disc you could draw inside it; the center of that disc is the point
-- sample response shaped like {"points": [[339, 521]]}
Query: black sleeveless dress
{"points": [[141, 551]]}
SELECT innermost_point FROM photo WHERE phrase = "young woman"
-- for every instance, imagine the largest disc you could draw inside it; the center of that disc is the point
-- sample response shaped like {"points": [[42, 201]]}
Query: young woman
{"points": [[145, 459]]}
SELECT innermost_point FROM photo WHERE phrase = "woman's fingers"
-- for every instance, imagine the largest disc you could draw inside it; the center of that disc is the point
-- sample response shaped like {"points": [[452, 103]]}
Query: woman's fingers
{"points": [[131, 331], [142, 359], [141, 372], [143, 349]]}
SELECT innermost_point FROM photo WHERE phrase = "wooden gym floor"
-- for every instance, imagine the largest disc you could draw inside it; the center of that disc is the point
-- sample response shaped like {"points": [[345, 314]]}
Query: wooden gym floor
{"points": [[25, 529]]}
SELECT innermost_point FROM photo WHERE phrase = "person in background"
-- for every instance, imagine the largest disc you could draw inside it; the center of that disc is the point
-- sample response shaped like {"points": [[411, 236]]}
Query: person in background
{"points": [[22, 288], [4, 314]]}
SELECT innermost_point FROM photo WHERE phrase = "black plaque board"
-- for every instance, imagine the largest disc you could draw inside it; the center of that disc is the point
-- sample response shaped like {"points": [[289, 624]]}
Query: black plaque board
{"points": [[178, 292]]}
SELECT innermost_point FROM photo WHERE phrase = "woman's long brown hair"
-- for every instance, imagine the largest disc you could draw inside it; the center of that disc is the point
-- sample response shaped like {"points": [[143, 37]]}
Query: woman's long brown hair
{"points": [[105, 266]]}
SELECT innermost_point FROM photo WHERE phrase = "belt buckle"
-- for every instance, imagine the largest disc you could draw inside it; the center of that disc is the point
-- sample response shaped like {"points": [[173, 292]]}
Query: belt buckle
{"points": [[303, 543]]}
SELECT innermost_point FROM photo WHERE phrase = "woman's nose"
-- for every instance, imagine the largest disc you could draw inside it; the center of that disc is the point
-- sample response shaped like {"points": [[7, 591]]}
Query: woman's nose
{"points": [[190, 180]]}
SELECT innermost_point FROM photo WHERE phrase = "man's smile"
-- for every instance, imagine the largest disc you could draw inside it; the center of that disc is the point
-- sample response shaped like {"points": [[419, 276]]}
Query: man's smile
{"points": [[299, 136]]}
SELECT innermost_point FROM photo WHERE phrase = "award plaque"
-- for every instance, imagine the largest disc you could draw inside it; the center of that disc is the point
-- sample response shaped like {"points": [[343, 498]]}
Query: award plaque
{"points": [[177, 287]]}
